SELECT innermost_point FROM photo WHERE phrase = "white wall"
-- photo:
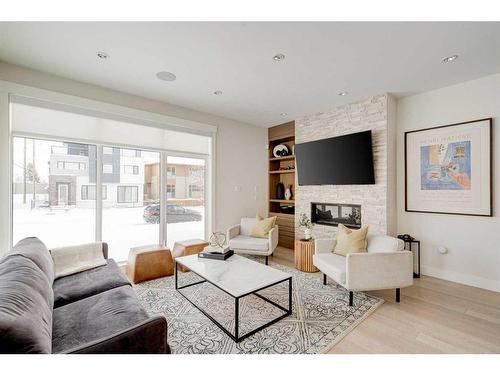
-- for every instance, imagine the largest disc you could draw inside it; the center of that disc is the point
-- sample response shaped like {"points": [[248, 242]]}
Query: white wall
{"points": [[392, 214], [473, 243], [240, 148]]}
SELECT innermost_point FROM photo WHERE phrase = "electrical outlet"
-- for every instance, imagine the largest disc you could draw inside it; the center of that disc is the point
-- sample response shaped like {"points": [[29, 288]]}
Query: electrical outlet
{"points": [[442, 250]]}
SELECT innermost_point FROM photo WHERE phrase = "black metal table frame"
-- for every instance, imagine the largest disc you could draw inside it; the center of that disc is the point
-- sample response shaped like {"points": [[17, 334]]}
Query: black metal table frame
{"points": [[416, 275], [235, 337]]}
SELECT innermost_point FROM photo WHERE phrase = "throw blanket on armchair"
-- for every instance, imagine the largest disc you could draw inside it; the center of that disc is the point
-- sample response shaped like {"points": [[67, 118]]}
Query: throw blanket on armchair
{"points": [[72, 259]]}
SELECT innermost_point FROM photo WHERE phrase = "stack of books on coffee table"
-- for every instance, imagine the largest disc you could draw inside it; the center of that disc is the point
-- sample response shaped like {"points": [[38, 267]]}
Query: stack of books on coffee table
{"points": [[216, 252]]}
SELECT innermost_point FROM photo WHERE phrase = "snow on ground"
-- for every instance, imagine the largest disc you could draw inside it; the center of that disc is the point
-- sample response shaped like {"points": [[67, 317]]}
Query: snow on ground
{"points": [[122, 228]]}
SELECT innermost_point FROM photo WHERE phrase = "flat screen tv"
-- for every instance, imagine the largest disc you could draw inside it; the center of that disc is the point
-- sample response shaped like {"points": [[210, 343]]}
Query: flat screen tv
{"points": [[344, 160]]}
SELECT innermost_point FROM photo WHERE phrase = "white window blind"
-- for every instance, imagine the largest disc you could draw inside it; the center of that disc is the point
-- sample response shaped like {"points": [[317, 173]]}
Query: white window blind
{"points": [[35, 117]]}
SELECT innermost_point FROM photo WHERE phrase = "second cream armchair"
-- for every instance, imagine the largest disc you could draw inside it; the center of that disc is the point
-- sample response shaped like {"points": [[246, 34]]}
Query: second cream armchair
{"points": [[241, 242]]}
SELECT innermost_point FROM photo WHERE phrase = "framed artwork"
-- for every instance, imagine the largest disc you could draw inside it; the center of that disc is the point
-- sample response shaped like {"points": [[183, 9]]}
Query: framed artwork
{"points": [[448, 169]]}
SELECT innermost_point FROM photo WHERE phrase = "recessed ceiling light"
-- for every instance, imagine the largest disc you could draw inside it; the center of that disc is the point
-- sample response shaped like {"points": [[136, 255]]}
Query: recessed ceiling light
{"points": [[279, 57], [166, 76], [450, 58], [343, 93], [102, 55], [218, 92], [283, 114]]}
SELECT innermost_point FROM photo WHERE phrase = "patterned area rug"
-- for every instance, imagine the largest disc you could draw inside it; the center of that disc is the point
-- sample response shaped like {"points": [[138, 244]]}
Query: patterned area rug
{"points": [[321, 315]]}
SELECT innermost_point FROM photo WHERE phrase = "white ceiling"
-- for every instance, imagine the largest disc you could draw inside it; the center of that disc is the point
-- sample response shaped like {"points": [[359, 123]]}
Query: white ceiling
{"points": [[322, 59]]}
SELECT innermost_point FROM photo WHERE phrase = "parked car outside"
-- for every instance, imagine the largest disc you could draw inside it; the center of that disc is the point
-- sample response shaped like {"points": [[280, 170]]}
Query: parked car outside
{"points": [[175, 214]]}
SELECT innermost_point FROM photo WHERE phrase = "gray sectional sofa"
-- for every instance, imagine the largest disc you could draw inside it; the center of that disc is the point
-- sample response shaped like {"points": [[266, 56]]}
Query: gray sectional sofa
{"points": [[94, 311]]}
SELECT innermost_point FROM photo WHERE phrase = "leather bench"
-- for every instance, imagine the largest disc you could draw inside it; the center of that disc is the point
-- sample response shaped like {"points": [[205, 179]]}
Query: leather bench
{"points": [[149, 262]]}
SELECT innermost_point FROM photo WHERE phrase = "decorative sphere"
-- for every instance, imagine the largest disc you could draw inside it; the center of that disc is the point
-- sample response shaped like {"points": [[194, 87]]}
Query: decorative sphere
{"points": [[217, 239]]}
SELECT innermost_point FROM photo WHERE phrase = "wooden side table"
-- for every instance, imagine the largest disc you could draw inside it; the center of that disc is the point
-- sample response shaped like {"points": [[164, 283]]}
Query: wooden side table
{"points": [[304, 251], [188, 247]]}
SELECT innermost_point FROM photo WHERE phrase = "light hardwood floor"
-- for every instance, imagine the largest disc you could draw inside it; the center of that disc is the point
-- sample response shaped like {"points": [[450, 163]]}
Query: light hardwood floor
{"points": [[434, 316]]}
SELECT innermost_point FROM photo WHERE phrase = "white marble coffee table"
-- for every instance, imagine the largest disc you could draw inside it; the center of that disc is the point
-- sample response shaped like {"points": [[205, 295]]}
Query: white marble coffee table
{"points": [[238, 277]]}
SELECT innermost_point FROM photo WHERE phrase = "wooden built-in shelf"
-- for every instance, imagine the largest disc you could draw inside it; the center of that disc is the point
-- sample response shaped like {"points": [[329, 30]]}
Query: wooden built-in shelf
{"points": [[282, 134], [284, 201], [282, 171], [289, 157], [281, 214]]}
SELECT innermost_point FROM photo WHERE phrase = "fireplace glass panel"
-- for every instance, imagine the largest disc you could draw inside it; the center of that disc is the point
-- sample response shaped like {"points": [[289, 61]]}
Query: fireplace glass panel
{"points": [[334, 214]]}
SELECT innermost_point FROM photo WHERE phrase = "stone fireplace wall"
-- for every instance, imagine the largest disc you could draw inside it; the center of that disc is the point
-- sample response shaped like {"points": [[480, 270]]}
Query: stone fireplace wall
{"points": [[373, 114]]}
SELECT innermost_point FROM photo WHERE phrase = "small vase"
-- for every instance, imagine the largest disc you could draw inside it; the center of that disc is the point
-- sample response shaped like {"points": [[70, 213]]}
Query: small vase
{"points": [[288, 193], [307, 234], [280, 191]]}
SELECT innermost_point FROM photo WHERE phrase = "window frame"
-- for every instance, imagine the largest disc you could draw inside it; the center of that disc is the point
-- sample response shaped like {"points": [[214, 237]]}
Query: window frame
{"points": [[104, 195], [127, 186], [107, 165], [135, 169], [61, 165], [170, 189], [106, 148], [196, 187]]}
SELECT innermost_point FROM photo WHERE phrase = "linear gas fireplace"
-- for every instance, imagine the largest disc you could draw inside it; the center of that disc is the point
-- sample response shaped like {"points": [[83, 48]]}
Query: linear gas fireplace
{"points": [[334, 214]]}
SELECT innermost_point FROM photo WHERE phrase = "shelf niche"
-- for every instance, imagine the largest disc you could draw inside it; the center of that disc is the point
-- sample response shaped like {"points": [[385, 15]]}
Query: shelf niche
{"points": [[282, 169]]}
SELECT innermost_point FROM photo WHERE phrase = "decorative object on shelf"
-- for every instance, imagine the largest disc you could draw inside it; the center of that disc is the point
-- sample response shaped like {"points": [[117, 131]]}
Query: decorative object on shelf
{"points": [[287, 210], [280, 191], [280, 150], [448, 169], [306, 223], [409, 241], [288, 193], [293, 150]]}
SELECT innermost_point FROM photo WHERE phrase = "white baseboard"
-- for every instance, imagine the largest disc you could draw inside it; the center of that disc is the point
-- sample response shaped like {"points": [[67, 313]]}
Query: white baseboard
{"points": [[461, 278]]}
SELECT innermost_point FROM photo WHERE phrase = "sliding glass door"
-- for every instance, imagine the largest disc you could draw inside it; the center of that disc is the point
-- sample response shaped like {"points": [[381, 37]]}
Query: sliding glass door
{"points": [[56, 185], [48, 200], [131, 207], [185, 188]]}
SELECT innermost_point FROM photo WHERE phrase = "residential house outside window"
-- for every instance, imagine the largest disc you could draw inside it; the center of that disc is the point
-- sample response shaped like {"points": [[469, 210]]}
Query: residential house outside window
{"points": [[128, 194], [132, 187], [46, 187], [185, 190]]}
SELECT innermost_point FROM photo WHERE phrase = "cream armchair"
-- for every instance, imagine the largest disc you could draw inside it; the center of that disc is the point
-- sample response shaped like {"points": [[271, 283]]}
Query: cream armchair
{"points": [[385, 265], [241, 242]]}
